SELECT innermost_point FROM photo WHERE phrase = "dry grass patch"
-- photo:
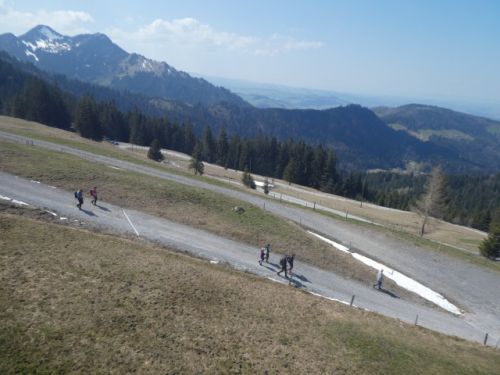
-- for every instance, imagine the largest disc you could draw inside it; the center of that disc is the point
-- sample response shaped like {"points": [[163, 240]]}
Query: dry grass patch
{"points": [[76, 301]]}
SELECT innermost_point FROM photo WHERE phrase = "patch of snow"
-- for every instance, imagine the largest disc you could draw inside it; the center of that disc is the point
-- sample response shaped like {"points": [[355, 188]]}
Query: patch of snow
{"points": [[63, 218], [49, 46], [35, 182], [112, 166], [50, 212], [214, 261], [21, 203], [29, 53], [410, 284], [49, 34], [338, 246], [402, 280], [4, 198]]}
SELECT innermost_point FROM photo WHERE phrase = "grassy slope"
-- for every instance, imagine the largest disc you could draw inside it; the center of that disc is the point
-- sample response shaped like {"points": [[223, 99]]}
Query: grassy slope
{"points": [[74, 301], [189, 205]]}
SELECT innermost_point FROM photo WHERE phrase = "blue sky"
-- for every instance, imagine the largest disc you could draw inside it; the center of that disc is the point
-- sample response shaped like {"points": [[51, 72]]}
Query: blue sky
{"points": [[422, 48]]}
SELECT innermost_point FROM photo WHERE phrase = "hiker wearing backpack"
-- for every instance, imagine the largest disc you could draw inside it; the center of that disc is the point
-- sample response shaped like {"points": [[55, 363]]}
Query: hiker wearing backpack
{"points": [[268, 250], [262, 255], [283, 262], [79, 197], [93, 194]]}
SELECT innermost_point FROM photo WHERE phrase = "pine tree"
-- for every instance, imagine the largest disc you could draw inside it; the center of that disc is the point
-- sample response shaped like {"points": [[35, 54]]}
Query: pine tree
{"points": [[222, 148], [247, 179], [87, 120], [265, 187], [154, 152], [209, 146], [490, 247], [196, 163]]}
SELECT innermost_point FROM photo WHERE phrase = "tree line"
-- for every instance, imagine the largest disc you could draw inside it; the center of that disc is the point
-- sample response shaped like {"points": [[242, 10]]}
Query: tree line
{"points": [[471, 200]]}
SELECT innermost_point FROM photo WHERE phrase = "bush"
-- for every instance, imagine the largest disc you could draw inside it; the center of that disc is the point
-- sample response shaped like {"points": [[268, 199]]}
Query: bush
{"points": [[247, 179], [154, 152]]}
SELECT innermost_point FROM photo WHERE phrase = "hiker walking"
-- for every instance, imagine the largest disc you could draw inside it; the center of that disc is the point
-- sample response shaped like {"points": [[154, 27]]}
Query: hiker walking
{"points": [[79, 197], [283, 262], [93, 194], [290, 260], [262, 255], [380, 279], [268, 250]]}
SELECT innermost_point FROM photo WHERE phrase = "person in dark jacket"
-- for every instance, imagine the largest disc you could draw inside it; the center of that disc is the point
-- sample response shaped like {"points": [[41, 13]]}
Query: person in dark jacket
{"points": [[283, 262], [290, 260], [79, 197], [268, 250]]}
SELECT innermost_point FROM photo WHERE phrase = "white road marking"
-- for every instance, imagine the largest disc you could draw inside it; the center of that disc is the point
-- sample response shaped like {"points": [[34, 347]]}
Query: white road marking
{"points": [[130, 222]]}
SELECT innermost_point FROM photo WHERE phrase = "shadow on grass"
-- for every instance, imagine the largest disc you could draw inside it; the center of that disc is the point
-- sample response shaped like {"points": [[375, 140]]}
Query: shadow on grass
{"points": [[292, 280]]}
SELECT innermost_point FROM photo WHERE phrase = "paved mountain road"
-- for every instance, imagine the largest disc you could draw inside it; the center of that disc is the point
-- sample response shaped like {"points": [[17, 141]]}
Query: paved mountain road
{"points": [[471, 287], [238, 255]]}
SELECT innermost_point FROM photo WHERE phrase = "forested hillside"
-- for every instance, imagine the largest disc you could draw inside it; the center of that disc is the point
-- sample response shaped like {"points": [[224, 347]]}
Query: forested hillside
{"points": [[471, 198]]}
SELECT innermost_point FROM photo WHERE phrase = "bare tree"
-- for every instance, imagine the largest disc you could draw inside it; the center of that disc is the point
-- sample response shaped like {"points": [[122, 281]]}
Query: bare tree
{"points": [[433, 201]]}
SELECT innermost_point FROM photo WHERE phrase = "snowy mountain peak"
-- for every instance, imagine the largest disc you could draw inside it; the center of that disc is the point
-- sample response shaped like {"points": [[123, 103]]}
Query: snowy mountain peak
{"points": [[49, 33], [43, 38], [42, 32]]}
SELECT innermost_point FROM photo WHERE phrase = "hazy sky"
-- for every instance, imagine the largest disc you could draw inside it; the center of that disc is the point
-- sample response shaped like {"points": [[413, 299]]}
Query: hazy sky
{"points": [[419, 48]]}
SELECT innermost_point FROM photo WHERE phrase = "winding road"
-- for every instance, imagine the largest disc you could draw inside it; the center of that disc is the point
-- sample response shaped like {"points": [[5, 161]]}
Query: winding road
{"points": [[473, 288]]}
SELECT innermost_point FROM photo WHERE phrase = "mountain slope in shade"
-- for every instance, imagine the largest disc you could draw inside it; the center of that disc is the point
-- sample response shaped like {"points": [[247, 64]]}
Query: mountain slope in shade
{"points": [[96, 59]]}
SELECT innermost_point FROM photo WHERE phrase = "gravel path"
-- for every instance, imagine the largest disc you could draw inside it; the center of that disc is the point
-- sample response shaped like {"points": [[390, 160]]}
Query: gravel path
{"points": [[473, 288]]}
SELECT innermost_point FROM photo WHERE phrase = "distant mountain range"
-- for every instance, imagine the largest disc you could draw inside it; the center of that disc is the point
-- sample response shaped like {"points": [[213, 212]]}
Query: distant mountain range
{"points": [[362, 139], [96, 59], [473, 138]]}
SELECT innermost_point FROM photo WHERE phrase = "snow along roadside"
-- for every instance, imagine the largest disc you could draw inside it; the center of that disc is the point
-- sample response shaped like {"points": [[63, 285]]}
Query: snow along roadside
{"points": [[402, 280]]}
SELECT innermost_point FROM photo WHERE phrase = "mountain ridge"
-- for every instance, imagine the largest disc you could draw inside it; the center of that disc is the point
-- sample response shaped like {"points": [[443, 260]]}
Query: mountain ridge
{"points": [[94, 58]]}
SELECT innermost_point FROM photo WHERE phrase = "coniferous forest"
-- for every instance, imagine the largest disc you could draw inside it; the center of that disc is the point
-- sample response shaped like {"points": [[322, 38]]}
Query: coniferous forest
{"points": [[471, 199]]}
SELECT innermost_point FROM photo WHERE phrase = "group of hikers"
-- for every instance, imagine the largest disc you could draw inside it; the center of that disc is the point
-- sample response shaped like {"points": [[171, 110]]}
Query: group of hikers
{"points": [[79, 197], [286, 261]]}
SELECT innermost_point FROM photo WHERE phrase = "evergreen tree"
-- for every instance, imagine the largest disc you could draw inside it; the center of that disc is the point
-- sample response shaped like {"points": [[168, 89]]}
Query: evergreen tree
{"points": [[137, 126], [188, 140], [112, 122], [154, 152], [233, 155], [222, 148], [209, 146], [87, 120], [196, 163], [265, 187], [490, 247], [248, 180]]}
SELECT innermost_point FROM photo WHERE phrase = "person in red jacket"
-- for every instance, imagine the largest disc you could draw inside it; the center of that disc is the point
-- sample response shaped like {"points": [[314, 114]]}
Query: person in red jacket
{"points": [[93, 193]]}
